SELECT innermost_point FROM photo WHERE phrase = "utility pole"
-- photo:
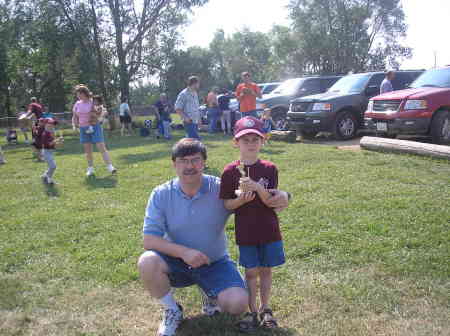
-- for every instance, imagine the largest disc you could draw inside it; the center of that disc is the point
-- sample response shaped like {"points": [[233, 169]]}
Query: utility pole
{"points": [[435, 59]]}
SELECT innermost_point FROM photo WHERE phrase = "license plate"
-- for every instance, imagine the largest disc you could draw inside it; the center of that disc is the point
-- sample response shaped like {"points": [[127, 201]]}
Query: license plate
{"points": [[382, 126]]}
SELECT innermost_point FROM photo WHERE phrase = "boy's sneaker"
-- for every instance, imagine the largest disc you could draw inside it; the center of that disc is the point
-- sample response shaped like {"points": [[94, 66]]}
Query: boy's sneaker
{"points": [[90, 130], [90, 171], [209, 305], [44, 178], [171, 321], [111, 169]]}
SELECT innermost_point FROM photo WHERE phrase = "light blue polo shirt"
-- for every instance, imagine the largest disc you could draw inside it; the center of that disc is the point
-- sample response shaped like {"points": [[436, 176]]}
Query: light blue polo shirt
{"points": [[197, 222]]}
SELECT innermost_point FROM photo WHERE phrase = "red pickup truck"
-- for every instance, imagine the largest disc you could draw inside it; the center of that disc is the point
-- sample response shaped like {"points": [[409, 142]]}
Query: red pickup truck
{"points": [[423, 109]]}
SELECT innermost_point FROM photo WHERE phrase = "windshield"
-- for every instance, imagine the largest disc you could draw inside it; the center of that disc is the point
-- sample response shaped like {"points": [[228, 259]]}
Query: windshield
{"points": [[289, 87], [350, 84], [269, 88], [433, 78]]}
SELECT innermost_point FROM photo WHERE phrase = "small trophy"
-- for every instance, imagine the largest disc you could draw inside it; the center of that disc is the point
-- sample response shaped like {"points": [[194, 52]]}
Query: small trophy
{"points": [[244, 178]]}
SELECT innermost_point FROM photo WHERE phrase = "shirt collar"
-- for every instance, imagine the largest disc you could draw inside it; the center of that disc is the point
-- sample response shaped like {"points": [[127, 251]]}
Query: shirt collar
{"points": [[204, 189]]}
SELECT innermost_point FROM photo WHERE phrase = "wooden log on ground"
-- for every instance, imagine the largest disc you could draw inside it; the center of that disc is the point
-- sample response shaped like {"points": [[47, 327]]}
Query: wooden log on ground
{"points": [[404, 146], [289, 136]]}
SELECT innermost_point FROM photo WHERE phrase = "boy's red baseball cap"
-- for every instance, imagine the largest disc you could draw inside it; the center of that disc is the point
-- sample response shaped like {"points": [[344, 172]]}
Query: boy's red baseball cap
{"points": [[248, 125]]}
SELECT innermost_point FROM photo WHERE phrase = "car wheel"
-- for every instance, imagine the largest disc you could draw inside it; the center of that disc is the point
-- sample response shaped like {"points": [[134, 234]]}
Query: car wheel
{"points": [[345, 126], [279, 114], [308, 134], [440, 128]]}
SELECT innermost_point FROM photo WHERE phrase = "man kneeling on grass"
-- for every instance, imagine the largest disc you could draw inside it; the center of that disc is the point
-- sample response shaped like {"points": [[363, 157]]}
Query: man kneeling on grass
{"points": [[185, 242]]}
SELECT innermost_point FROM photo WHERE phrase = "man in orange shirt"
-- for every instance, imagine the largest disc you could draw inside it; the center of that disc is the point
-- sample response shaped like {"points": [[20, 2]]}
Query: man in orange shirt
{"points": [[246, 93]]}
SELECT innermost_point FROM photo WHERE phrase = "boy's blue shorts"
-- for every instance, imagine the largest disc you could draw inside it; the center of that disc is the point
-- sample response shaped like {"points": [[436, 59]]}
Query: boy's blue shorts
{"points": [[93, 138], [212, 279], [266, 255]]}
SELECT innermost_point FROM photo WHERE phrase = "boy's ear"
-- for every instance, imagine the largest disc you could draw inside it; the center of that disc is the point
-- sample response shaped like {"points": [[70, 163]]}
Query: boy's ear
{"points": [[235, 143]]}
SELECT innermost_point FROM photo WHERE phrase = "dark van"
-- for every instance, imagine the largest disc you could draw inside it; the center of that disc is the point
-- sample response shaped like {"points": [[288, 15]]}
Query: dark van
{"points": [[341, 109], [279, 99]]}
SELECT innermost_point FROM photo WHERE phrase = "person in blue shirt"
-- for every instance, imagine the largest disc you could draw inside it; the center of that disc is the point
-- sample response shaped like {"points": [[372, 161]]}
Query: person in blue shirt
{"points": [[386, 84], [224, 106], [185, 241], [163, 108]]}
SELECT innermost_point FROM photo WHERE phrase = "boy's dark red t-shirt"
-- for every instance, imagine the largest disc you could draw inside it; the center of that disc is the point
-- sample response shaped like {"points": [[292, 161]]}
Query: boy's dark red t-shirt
{"points": [[255, 222], [37, 136], [47, 140]]}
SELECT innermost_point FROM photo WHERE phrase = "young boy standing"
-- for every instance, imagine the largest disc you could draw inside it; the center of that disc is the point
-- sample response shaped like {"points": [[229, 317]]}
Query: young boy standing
{"points": [[256, 224]]}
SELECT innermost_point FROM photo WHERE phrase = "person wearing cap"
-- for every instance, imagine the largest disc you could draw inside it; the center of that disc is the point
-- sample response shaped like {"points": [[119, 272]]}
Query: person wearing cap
{"points": [[35, 109], [48, 143], [185, 240], [246, 189], [386, 84], [246, 94]]}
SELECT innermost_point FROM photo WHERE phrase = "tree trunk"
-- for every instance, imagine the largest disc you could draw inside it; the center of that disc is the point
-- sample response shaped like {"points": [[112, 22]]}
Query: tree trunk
{"points": [[100, 65], [403, 146]]}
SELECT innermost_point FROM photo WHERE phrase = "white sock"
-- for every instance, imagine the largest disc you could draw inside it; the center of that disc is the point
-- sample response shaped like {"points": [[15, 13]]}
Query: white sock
{"points": [[168, 301]]}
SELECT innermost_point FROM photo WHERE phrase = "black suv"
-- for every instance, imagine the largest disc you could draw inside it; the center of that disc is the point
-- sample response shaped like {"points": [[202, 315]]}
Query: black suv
{"points": [[279, 99], [341, 109]]}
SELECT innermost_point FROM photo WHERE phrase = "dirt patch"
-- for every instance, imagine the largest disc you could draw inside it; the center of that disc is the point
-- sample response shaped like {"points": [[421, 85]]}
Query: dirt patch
{"points": [[355, 148]]}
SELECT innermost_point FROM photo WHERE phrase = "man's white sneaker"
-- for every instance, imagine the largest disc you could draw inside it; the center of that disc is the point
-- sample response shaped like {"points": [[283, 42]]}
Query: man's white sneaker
{"points": [[50, 180], [209, 305], [90, 171], [171, 321]]}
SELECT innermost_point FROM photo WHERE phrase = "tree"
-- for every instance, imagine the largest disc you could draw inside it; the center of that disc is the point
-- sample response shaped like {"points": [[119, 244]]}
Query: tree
{"points": [[337, 36], [138, 31], [193, 61]]}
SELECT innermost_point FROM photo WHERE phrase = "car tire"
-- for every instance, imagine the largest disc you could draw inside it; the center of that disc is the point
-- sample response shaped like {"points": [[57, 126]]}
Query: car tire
{"points": [[440, 128], [387, 136], [279, 113], [345, 126], [309, 135]]}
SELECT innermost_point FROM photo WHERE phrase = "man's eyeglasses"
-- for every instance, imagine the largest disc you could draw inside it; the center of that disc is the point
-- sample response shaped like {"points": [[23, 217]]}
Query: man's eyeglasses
{"points": [[195, 161]]}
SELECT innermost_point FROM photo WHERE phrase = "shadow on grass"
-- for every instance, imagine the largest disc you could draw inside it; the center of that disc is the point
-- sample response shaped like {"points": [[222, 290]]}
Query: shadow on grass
{"points": [[94, 182], [222, 325]]}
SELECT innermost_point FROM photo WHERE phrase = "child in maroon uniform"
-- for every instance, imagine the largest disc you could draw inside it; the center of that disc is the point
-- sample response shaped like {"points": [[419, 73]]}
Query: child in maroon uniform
{"points": [[244, 189], [36, 133], [48, 143]]}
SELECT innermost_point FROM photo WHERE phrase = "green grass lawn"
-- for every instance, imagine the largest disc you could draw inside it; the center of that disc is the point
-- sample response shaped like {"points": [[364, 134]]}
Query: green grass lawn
{"points": [[367, 239]]}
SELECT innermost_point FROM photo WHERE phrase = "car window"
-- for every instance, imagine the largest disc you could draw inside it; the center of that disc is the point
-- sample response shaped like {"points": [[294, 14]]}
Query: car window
{"points": [[269, 88], [326, 83], [402, 80], [311, 86], [433, 78], [289, 87], [351, 84], [376, 80]]}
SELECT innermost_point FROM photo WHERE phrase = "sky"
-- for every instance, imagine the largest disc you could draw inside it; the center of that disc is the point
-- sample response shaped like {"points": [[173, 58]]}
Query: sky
{"points": [[428, 25]]}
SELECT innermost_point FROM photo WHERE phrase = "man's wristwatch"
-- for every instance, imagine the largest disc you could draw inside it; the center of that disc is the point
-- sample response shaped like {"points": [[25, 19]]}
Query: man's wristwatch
{"points": [[289, 195]]}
